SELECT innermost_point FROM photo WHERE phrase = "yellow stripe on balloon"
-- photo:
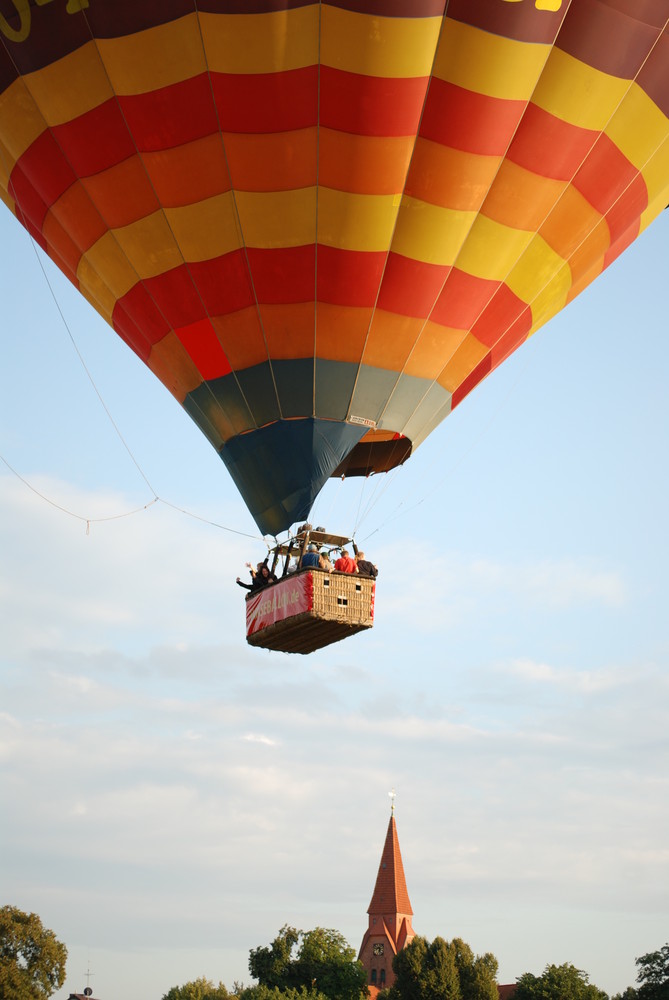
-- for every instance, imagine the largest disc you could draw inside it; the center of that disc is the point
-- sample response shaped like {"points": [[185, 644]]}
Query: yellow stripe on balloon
{"points": [[7, 199], [656, 176], [492, 249], [430, 233], [206, 229], [20, 122], [550, 299], [154, 58], [106, 257], [277, 219], [59, 89], [489, 64], [378, 46], [355, 221], [537, 269], [149, 245], [638, 127], [261, 43], [170, 361], [578, 94]]}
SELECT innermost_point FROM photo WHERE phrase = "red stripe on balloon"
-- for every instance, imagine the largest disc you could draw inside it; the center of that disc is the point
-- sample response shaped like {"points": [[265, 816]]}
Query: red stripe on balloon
{"points": [[411, 287], [369, 105], [474, 123], [267, 102], [548, 146], [205, 349], [349, 277]]}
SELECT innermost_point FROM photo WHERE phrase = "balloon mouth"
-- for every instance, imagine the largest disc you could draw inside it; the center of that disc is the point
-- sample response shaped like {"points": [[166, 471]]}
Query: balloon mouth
{"points": [[379, 451]]}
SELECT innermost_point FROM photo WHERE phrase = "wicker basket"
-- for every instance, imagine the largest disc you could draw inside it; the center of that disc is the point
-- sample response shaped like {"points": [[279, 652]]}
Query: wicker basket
{"points": [[342, 604]]}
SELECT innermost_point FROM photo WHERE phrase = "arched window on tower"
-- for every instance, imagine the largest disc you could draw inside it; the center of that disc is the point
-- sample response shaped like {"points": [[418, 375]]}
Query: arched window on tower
{"points": [[374, 976], [382, 977]]}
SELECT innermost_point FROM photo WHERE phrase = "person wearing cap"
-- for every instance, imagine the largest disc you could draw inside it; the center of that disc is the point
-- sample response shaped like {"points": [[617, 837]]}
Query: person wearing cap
{"points": [[324, 561], [310, 558]]}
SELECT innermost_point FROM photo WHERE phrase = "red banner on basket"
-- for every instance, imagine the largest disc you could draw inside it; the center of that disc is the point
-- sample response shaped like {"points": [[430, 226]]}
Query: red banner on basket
{"points": [[282, 600]]}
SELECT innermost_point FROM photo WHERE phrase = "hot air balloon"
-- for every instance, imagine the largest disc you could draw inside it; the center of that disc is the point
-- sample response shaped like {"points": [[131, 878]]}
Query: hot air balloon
{"points": [[321, 225]]}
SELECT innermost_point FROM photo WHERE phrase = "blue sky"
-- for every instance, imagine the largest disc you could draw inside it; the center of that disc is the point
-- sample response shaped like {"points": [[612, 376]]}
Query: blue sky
{"points": [[173, 797]]}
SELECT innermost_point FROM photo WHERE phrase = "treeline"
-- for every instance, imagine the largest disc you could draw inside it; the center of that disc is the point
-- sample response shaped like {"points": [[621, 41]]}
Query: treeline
{"points": [[320, 965]]}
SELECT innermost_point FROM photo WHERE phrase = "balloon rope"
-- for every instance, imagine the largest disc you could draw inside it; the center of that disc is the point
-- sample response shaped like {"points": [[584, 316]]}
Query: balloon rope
{"points": [[485, 428], [90, 377], [117, 517], [79, 517], [213, 524]]}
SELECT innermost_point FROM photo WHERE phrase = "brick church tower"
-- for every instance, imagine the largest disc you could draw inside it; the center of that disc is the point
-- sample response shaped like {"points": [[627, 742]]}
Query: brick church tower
{"points": [[390, 915]]}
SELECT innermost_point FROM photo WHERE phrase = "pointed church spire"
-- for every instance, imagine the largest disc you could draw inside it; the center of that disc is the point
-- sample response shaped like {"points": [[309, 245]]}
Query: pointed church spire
{"points": [[389, 912], [390, 892]]}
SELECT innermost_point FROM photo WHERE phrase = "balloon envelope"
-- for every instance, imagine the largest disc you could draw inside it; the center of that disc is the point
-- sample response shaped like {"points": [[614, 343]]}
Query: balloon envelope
{"points": [[321, 225]]}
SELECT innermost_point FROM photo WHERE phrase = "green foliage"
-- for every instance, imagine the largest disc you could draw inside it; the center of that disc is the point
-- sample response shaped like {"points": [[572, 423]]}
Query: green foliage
{"points": [[629, 994], [198, 989], [273, 966], [32, 959], [274, 993], [653, 975], [558, 982], [442, 970], [318, 961]]}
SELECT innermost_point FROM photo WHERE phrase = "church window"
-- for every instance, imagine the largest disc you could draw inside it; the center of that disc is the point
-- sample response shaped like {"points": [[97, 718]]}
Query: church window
{"points": [[373, 977], [382, 977]]}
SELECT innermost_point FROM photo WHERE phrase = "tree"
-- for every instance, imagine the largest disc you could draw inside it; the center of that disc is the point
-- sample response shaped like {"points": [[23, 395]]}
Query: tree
{"points": [[274, 993], [198, 989], [478, 973], [558, 982], [317, 961], [628, 994], [442, 970], [273, 966], [653, 975], [32, 959]]}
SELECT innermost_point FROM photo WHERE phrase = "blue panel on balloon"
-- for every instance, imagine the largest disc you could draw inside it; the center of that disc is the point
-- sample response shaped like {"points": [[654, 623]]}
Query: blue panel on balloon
{"points": [[280, 469]]}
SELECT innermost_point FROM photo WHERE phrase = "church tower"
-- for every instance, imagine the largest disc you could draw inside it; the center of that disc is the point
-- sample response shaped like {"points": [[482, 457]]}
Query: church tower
{"points": [[390, 915]]}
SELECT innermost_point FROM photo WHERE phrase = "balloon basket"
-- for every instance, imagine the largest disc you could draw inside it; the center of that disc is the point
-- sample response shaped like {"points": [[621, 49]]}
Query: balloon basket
{"points": [[309, 610]]}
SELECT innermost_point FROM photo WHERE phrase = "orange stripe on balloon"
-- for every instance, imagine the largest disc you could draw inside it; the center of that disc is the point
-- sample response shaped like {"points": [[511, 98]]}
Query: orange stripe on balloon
{"points": [[391, 340], [363, 164], [279, 161], [75, 211], [122, 194], [188, 173], [289, 329], [341, 331], [521, 199], [569, 223], [452, 178], [241, 336], [433, 350], [470, 363]]}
